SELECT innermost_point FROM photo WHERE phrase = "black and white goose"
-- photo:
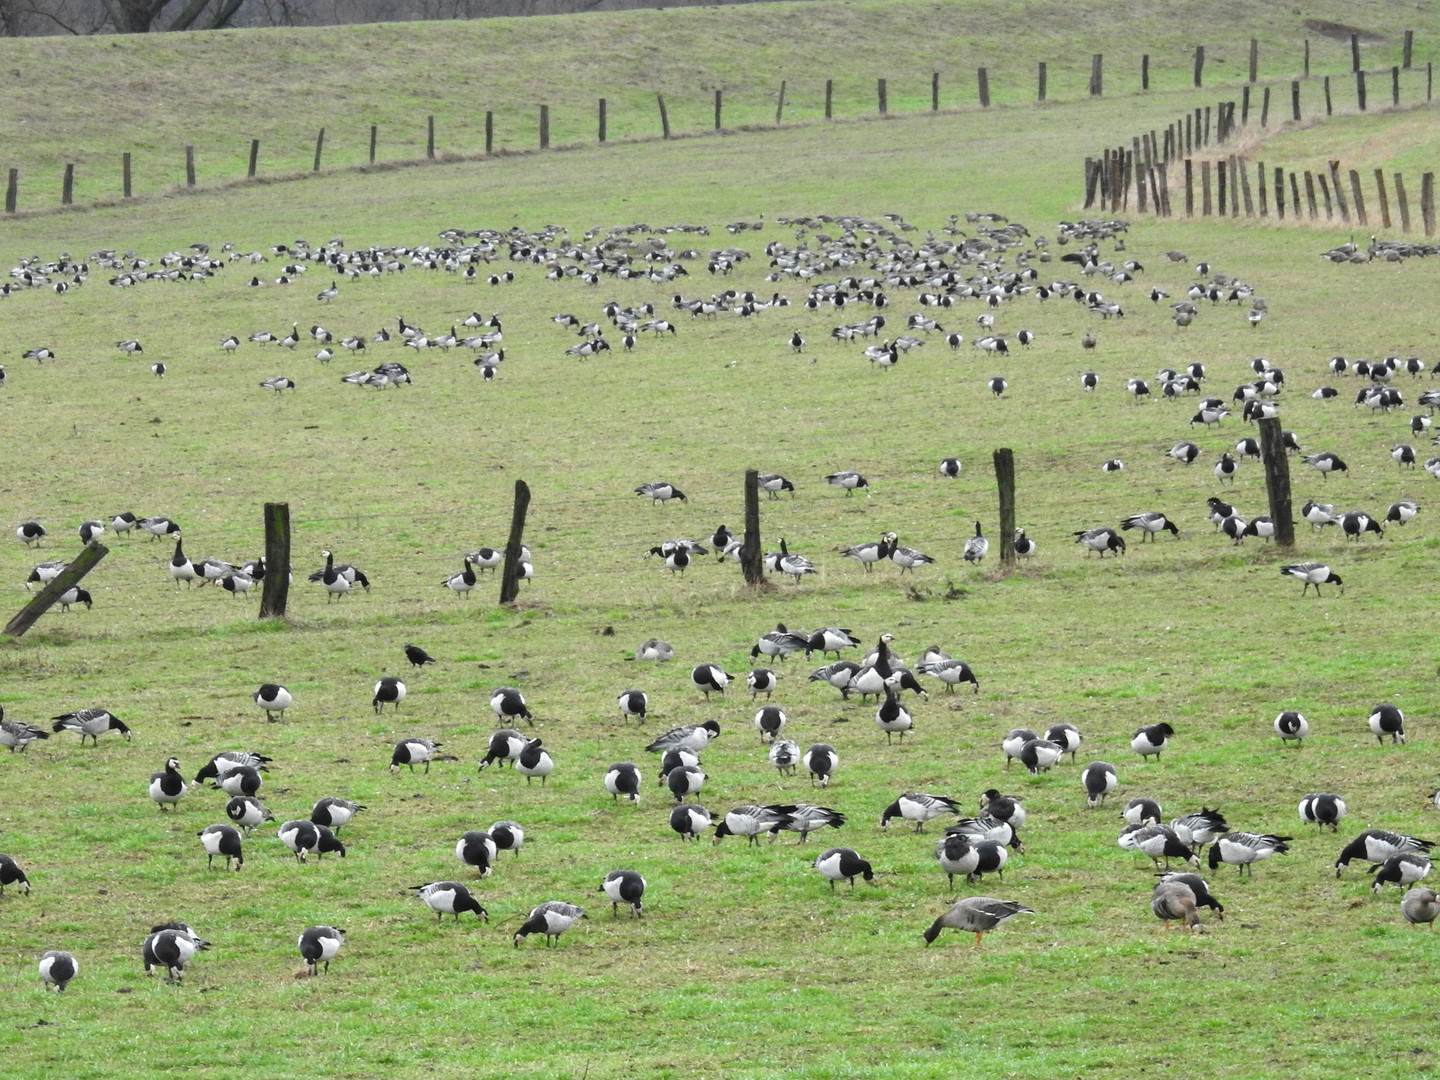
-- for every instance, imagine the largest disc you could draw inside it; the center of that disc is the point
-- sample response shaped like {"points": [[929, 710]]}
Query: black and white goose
{"points": [[768, 721], [892, 716], [552, 919], [788, 563], [449, 898], [1099, 779], [11, 874], [1356, 524], [1243, 849], [907, 558], [1313, 573], [44, 573], [334, 813], [485, 558], [247, 812], [751, 820], [388, 691], [774, 483], [1291, 724], [623, 778], [222, 840], [508, 836], [301, 837], [278, 383], [1038, 755], [780, 643], [1325, 463], [806, 818], [14, 733], [1024, 546], [1150, 523], [951, 672], [977, 915], [1226, 468], [918, 807], [633, 703], [710, 679], [950, 467], [625, 887], [223, 764], [461, 584], [690, 820], [761, 681], [57, 968], [1102, 540], [181, 568], [171, 946], [870, 553], [75, 595], [1387, 720], [31, 533], [1377, 845], [91, 531], [1402, 512], [244, 780], [505, 745], [508, 704], [1322, 810], [1403, 870], [847, 479], [319, 944], [1151, 739], [843, 864], [660, 492], [1158, 842], [158, 527], [412, 752], [820, 761], [976, 546], [695, 737], [1142, 810], [534, 761], [91, 723], [476, 849], [273, 698]]}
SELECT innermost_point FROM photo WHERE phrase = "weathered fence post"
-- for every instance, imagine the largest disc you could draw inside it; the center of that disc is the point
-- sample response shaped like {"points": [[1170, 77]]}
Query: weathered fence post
{"points": [[719, 109], [1277, 480], [780, 105], [1261, 189], [664, 116], [1238, 169], [1310, 203], [1395, 87], [1097, 74], [1354, 52], [374, 136], [189, 166], [829, 98], [430, 137], [1427, 202], [254, 158], [125, 174], [1339, 192], [1206, 136], [984, 80], [880, 91], [1409, 47], [1044, 73], [602, 118], [319, 146], [1205, 187], [1005, 481], [489, 132], [1384, 198], [514, 565], [1307, 58], [1324, 192], [1145, 71], [1358, 197], [934, 91], [1244, 105], [1360, 89], [1280, 195], [1265, 108], [751, 562], [67, 190], [12, 191], [1254, 58], [544, 127], [1189, 187], [1403, 201], [1199, 65], [1220, 173], [63, 583], [1329, 109], [1429, 79], [275, 585], [1295, 99]]}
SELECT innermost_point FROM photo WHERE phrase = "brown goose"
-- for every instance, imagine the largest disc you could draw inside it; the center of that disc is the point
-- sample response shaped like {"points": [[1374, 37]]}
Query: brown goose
{"points": [[976, 914]]}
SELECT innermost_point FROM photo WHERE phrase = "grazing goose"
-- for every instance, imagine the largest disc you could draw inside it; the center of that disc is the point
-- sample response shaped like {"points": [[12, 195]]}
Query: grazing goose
{"points": [[10, 874], [14, 733], [1356, 524], [1066, 736], [1402, 512], [508, 703], [950, 672], [957, 853], [791, 565], [1157, 842], [908, 558], [58, 968], [534, 761], [1291, 724], [1419, 906], [1184, 452], [1326, 463], [278, 383], [950, 467], [320, 944], [761, 681], [240, 780], [774, 483], [779, 643], [74, 596], [1102, 540], [633, 703], [1151, 739], [476, 849], [751, 820], [301, 837], [486, 558], [868, 554], [892, 716], [1150, 524], [1099, 779], [449, 898], [1006, 808], [334, 581], [848, 480], [768, 721], [91, 723], [1014, 741], [625, 887], [505, 745], [91, 531], [977, 915], [710, 678], [1313, 573], [1322, 810], [1403, 869], [1377, 845], [1143, 811], [273, 698], [690, 820], [623, 778], [1038, 755], [694, 737], [919, 807], [417, 656], [389, 690], [223, 840], [1174, 900], [1200, 828], [247, 812], [1226, 468], [653, 649], [552, 919], [158, 527], [334, 813], [171, 946], [1387, 720], [843, 864], [411, 752], [508, 836], [31, 533], [660, 492], [976, 546], [44, 573], [1241, 849]]}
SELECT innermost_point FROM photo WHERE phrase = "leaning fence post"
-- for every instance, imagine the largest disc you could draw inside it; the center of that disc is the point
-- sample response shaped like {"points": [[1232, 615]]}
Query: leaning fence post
{"points": [[1329, 109], [254, 158], [1354, 52], [1005, 482], [189, 166], [1265, 108], [319, 145], [275, 585], [780, 105], [1339, 191], [1358, 196], [1311, 205], [1403, 201], [515, 565], [67, 190], [1277, 480], [1199, 65], [63, 583], [751, 562], [984, 79], [1384, 198], [664, 116]]}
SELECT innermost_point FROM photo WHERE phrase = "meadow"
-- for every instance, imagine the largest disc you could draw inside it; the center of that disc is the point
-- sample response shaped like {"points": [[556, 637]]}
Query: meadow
{"points": [[746, 963]]}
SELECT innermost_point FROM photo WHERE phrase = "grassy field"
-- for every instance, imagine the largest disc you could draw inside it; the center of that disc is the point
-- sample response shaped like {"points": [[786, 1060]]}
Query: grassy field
{"points": [[746, 964], [153, 95]]}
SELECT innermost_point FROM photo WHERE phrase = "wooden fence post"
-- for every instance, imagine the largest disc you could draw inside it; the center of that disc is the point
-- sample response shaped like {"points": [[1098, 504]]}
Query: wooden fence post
{"points": [[1092, 177], [254, 158], [1280, 195], [829, 98], [374, 135], [489, 132], [1265, 108], [1409, 48], [1238, 169], [880, 91], [1190, 144], [1145, 71], [275, 586], [1310, 203], [1403, 201], [1261, 189], [751, 561], [1325, 193], [1329, 109], [934, 91], [1354, 52], [1199, 65], [1254, 58], [1097, 74], [1295, 100], [984, 80], [1044, 73], [1395, 87], [319, 146], [12, 191], [125, 174], [780, 105], [544, 127], [67, 190], [189, 166], [664, 116], [1384, 198], [1307, 58], [63, 583], [1244, 105], [1221, 201], [511, 577], [430, 137], [1339, 192], [1427, 202], [1360, 89], [719, 109], [1358, 196], [1140, 187], [602, 119], [1189, 187], [1205, 188], [1277, 480], [1005, 481], [1429, 78]]}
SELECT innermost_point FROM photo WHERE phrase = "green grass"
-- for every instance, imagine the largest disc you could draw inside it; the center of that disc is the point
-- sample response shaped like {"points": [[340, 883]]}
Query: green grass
{"points": [[746, 965]]}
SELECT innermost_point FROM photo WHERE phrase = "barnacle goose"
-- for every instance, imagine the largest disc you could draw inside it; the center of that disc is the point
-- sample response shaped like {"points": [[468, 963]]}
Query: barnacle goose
{"points": [[847, 479], [820, 761], [476, 849], [58, 967], [334, 813], [412, 751], [1242, 849], [91, 723], [449, 898], [13, 733], [690, 820], [10, 873], [1322, 810], [625, 887], [633, 703], [551, 918], [1387, 720], [505, 745], [171, 946], [843, 864], [389, 690], [223, 840], [869, 553], [534, 761], [710, 678], [320, 944], [273, 698], [1150, 524], [508, 703], [1291, 724], [1099, 779], [623, 778], [1151, 739], [919, 807], [247, 812], [1313, 573]]}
